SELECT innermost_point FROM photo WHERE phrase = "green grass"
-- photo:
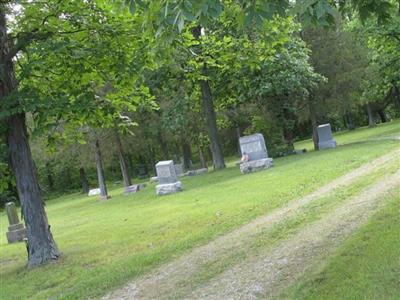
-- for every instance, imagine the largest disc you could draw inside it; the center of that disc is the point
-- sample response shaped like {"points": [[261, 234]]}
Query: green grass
{"points": [[367, 266], [106, 244], [384, 130]]}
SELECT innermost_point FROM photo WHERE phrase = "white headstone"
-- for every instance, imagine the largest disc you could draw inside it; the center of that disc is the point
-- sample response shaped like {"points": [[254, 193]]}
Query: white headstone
{"points": [[94, 192], [166, 172]]}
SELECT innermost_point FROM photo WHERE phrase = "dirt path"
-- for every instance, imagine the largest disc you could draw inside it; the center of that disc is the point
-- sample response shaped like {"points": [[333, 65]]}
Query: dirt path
{"points": [[162, 282], [266, 276]]}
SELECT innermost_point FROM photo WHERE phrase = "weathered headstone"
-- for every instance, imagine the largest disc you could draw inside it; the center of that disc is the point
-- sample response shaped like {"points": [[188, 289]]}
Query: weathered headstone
{"points": [[94, 192], [16, 231], [179, 169], [254, 147], [325, 139], [197, 172], [134, 188], [167, 179]]}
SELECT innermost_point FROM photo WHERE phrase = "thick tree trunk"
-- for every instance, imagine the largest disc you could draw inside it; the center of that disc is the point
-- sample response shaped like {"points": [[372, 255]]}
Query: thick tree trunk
{"points": [[163, 145], [203, 161], [187, 155], [382, 115], [122, 162], [100, 171], [209, 112], [314, 124], [42, 247], [84, 181], [208, 107], [371, 121]]}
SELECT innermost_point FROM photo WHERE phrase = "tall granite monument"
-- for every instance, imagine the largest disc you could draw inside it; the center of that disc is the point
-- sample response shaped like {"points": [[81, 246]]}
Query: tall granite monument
{"points": [[16, 231], [325, 139], [167, 179], [254, 147]]}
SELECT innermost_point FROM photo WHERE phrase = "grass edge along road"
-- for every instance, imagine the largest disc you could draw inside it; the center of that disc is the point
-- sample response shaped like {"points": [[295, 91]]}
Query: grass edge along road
{"points": [[367, 266]]}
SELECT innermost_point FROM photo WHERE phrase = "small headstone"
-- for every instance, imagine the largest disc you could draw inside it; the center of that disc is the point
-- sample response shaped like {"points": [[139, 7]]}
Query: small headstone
{"points": [[134, 188], [254, 147], [197, 172], [167, 178], [154, 179], [325, 139], [179, 170], [94, 192], [16, 231]]}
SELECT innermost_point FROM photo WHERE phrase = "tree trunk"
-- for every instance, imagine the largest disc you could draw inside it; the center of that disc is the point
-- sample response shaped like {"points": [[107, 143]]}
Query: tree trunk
{"points": [[349, 121], [50, 181], [371, 121], [163, 145], [203, 161], [382, 115], [42, 247], [237, 130], [122, 162], [84, 181], [209, 112], [187, 155], [100, 171], [314, 124]]}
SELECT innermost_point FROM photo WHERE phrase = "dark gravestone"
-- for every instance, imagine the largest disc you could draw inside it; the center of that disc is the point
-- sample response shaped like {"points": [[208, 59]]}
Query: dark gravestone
{"points": [[254, 147], [16, 231]]}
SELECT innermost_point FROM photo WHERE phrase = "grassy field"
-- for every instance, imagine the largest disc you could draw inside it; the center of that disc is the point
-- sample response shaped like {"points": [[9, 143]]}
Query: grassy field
{"points": [[105, 244]]}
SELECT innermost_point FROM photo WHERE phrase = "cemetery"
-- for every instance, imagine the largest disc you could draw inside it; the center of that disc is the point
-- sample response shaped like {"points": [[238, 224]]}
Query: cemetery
{"points": [[199, 149]]}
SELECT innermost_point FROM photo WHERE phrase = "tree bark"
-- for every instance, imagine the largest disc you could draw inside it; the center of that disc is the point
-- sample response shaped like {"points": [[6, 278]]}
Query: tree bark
{"points": [[187, 155], [382, 115], [237, 130], [209, 112], [122, 162], [42, 247], [371, 121], [100, 171], [84, 181], [203, 161], [50, 181], [314, 124]]}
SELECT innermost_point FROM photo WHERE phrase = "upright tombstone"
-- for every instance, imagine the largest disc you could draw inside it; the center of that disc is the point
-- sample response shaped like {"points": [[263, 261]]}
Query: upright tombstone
{"points": [[325, 139], [167, 179], [254, 147], [179, 169], [16, 231]]}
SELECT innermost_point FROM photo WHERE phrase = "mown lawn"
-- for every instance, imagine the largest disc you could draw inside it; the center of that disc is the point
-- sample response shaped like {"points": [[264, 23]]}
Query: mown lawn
{"points": [[367, 266], [105, 244]]}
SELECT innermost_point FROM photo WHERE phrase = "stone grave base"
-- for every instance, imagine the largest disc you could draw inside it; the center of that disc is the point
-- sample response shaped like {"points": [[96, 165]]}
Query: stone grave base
{"points": [[16, 233], [327, 144], [134, 188], [168, 188], [256, 165], [197, 172]]}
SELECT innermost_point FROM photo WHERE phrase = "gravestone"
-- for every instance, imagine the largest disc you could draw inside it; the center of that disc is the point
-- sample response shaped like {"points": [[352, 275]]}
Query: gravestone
{"points": [[94, 192], [179, 169], [167, 179], [254, 147], [134, 188], [325, 139], [16, 231]]}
